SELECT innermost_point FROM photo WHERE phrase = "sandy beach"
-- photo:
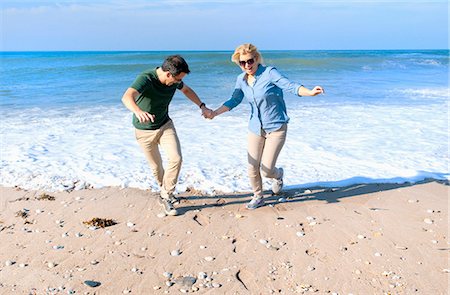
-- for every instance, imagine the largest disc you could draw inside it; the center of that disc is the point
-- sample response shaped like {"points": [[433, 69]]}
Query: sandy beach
{"points": [[361, 239]]}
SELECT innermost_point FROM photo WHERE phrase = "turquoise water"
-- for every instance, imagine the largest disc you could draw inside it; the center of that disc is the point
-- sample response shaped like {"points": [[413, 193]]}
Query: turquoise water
{"points": [[56, 79]]}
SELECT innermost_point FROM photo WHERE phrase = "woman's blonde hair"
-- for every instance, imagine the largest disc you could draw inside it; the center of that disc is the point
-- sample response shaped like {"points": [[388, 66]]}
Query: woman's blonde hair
{"points": [[245, 49]]}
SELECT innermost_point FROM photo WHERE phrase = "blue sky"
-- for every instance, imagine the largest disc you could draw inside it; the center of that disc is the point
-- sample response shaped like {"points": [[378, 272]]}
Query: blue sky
{"points": [[222, 25]]}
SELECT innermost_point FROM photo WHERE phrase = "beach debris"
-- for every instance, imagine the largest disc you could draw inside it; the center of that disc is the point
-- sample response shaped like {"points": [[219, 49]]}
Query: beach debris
{"points": [[22, 213], [51, 264], [413, 201], [92, 284], [378, 254], [361, 237], [446, 270], [176, 252], [209, 258], [428, 221], [100, 222], [264, 242], [130, 224], [45, 197]]}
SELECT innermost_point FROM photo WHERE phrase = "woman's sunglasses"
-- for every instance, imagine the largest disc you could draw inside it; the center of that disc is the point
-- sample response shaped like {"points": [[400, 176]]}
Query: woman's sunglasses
{"points": [[249, 62]]}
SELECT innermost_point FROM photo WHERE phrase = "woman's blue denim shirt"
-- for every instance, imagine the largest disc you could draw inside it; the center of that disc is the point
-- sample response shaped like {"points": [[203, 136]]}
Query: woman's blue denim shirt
{"points": [[268, 109]]}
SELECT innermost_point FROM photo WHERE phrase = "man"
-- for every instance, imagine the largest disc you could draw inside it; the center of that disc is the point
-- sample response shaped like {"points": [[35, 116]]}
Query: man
{"points": [[149, 98]]}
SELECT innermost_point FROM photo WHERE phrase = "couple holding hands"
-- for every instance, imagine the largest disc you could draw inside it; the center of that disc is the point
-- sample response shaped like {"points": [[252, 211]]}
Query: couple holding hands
{"points": [[151, 93]]}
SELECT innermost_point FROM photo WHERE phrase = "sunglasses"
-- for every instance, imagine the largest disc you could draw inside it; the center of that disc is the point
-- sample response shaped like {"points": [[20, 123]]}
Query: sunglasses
{"points": [[249, 62]]}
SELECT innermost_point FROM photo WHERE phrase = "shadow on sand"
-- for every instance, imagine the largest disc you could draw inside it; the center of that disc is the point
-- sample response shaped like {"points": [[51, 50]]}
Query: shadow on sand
{"points": [[325, 192]]}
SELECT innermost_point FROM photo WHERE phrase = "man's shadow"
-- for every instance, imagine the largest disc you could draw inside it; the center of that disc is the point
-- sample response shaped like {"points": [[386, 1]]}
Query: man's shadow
{"points": [[293, 194]]}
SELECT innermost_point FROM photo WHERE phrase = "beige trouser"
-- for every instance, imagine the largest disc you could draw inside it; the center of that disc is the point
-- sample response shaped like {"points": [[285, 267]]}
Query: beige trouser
{"points": [[262, 155], [167, 137]]}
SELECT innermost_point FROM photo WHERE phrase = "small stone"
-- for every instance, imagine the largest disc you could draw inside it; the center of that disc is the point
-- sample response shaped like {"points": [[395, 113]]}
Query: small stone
{"points": [[22, 265], [9, 262], [161, 215], [428, 221], [216, 285], [361, 237], [264, 242], [130, 224], [126, 291], [413, 201], [434, 241], [209, 258], [401, 247], [94, 262], [203, 247], [300, 233], [134, 269], [167, 274], [51, 264], [446, 270], [378, 254], [78, 235], [92, 284], [175, 253], [202, 275], [311, 268]]}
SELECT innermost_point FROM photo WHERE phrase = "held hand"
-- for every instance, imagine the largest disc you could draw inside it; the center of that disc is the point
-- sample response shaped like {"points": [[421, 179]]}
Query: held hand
{"points": [[207, 113], [317, 90], [144, 117]]}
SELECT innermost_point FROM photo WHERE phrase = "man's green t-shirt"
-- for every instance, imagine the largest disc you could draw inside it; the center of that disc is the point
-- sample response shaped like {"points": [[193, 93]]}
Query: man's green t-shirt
{"points": [[154, 98]]}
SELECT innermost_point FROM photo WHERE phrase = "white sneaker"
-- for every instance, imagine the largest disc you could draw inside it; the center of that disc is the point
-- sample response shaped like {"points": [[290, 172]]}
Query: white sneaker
{"points": [[277, 184]]}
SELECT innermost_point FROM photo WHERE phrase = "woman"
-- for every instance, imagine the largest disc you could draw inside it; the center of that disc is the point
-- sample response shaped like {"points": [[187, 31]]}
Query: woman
{"points": [[263, 87]]}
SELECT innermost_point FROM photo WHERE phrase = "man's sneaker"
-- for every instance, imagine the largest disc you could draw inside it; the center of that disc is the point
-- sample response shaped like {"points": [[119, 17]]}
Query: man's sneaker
{"points": [[168, 207], [255, 203], [277, 184], [173, 199]]}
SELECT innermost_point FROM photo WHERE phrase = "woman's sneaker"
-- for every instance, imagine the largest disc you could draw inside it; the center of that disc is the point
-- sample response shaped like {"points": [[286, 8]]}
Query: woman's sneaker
{"points": [[277, 184], [168, 207], [255, 203]]}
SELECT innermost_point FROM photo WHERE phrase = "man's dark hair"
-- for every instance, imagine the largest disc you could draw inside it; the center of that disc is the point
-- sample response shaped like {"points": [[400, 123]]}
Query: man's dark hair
{"points": [[175, 65]]}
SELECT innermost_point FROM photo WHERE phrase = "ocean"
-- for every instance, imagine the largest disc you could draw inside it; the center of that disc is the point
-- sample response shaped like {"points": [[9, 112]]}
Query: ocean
{"points": [[384, 117]]}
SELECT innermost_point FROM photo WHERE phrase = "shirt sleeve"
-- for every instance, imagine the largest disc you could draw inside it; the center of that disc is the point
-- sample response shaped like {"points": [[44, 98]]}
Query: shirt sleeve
{"points": [[236, 97], [283, 82], [141, 83], [180, 85]]}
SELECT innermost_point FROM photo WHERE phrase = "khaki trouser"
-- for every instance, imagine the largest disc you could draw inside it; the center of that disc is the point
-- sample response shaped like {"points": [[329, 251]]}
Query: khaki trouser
{"points": [[167, 137], [262, 156]]}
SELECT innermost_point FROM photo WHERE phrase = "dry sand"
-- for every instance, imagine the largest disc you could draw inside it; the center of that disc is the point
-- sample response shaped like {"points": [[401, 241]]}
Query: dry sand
{"points": [[362, 239]]}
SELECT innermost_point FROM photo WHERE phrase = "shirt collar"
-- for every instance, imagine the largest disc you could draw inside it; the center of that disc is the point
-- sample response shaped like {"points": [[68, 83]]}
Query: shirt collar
{"points": [[258, 73]]}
